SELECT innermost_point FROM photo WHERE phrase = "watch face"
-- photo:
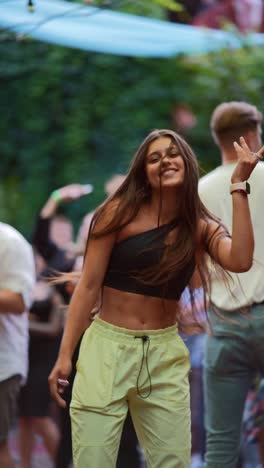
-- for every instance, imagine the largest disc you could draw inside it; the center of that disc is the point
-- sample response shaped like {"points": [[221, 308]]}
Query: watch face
{"points": [[247, 187]]}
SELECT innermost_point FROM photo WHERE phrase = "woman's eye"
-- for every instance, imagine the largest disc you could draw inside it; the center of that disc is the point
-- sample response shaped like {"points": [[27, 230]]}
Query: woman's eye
{"points": [[154, 159], [173, 154]]}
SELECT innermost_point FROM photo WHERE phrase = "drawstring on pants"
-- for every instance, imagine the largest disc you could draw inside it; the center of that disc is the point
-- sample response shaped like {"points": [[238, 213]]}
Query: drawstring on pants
{"points": [[144, 338]]}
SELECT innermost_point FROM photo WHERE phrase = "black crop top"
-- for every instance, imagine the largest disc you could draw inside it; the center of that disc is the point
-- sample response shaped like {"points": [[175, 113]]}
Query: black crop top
{"points": [[139, 252]]}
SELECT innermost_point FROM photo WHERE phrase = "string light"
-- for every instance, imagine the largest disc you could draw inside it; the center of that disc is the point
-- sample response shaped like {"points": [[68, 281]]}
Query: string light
{"points": [[31, 7], [105, 5]]}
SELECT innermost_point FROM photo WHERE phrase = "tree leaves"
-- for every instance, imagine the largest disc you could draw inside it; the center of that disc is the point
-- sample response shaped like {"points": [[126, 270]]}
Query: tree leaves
{"points": [[169, 5], [72, 116]]}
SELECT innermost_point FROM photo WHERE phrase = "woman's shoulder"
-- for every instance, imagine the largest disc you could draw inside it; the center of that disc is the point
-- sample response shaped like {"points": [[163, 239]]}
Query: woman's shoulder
{"points": [[203, 225], [208, 226], [207, 223], [211, 232]]}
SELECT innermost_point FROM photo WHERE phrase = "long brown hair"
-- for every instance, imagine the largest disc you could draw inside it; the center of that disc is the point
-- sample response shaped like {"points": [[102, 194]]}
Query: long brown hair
{"points": [[135, 191]]}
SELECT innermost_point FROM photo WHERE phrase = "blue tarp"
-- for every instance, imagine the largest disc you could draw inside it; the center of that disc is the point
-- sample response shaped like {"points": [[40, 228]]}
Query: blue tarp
{"points": [[89, 28]]}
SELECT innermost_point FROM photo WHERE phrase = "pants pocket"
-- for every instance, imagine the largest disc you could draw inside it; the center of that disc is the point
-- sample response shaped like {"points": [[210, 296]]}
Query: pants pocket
{"points": [[224, 355], [93, 384]]}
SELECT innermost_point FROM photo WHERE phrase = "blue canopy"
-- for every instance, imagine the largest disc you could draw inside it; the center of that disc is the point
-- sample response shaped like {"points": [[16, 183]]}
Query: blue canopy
{"points": [[95, 29]]}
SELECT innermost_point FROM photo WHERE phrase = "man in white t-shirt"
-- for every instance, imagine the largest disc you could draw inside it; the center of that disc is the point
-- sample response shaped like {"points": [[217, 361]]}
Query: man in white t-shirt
{"points": [[235, 352], [17, 277]]}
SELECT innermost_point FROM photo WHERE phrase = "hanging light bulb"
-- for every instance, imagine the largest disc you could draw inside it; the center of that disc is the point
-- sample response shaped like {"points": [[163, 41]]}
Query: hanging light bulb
{"points": [[31, 6]]}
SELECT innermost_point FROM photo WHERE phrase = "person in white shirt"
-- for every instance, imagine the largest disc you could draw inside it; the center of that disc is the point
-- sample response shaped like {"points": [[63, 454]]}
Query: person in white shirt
{"points": [[235, 350], [17, 277]]}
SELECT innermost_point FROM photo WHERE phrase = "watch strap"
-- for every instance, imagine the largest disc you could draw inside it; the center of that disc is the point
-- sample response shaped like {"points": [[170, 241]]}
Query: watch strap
{"points": [[240, 186]]}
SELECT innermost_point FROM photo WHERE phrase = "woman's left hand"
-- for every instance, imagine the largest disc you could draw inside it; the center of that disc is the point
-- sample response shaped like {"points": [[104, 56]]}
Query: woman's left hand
{"points": [[247, 161]]}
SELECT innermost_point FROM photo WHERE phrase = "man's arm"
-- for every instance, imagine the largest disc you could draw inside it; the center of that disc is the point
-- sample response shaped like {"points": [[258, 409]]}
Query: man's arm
{"points": [[17, 275], [11, 302]]}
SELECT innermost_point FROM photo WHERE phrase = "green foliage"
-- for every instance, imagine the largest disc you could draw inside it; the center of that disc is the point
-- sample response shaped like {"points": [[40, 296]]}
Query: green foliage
{"points": [[169, 4], [72, 116], [152, 8], [229, 75]]}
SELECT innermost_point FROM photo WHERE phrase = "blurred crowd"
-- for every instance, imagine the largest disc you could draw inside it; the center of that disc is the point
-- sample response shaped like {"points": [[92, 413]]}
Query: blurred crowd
{"points": [[55, 250], [245, 15]]}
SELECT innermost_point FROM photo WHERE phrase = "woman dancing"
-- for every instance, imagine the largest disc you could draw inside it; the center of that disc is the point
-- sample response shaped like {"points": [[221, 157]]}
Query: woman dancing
{"points": [[146, 243]]}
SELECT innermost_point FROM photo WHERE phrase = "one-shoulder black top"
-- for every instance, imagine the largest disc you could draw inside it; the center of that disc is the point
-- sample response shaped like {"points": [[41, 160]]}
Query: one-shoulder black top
{"points": [[142, 251]]}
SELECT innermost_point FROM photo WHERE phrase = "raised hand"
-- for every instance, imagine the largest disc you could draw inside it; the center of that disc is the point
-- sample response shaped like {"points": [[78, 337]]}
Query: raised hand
{"points": [[73, 192], [247, 161]]}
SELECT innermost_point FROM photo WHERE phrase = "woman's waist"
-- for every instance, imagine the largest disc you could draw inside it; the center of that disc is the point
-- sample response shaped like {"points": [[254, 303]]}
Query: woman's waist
{"points": [[135, 311], [121, 333]]}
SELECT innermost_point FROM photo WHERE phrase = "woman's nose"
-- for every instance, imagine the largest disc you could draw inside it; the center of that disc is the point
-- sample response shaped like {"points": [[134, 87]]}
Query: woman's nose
{"points": [[165, 159]]}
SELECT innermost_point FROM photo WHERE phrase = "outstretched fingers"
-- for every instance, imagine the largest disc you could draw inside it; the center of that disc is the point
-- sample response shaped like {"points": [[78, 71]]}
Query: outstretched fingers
{"points": [[260, 154], [244, 145], [244, 152]]}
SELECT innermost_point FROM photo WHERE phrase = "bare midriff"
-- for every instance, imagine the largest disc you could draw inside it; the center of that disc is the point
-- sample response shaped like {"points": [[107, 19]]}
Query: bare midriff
{"points": [[137, 312]]}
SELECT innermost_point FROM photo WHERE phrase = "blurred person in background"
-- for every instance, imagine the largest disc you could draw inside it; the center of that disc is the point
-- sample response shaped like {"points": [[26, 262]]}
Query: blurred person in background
{"points": [[53, 234], [34, 404], [61, 228], [189, 9], [195, 345], [253, 418], [234, 353], [183, 118], [17, 278], [53, 240], [110, 186], [246, 15], [145, 244]]}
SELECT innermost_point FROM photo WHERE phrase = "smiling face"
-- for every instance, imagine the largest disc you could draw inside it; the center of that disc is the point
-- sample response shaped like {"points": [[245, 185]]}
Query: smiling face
{"points": [[164, 164]]}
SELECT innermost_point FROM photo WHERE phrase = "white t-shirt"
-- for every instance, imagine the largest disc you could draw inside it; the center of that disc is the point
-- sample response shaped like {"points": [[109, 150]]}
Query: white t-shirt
{"points": [[17, 273], [248, 287]]}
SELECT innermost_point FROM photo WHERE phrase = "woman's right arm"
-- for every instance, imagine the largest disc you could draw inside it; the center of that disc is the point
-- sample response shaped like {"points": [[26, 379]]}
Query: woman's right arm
{"points": [[83, 300]]}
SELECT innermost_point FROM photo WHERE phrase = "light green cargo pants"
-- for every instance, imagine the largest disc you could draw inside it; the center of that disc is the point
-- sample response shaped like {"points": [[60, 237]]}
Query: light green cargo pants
{"points": [[146, 371]]}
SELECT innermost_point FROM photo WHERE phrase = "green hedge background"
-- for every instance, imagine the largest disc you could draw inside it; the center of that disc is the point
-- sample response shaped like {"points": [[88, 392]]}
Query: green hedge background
{"points": [[72, 116]]}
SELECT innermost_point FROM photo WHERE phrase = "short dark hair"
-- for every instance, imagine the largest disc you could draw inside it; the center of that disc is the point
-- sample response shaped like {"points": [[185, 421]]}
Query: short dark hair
{"points": [[230, 120]]}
